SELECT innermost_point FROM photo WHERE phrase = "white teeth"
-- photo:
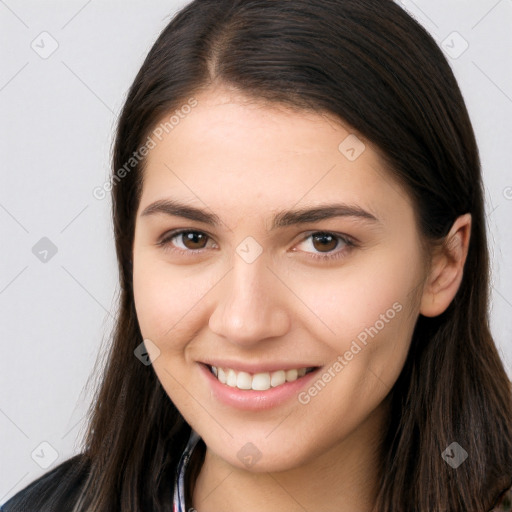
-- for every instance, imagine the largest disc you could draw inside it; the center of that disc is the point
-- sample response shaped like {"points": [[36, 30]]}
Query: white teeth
{"points": [[243, 380], [291, 375], [278, 378], [258, 381], [261, 381], [231, 378]]}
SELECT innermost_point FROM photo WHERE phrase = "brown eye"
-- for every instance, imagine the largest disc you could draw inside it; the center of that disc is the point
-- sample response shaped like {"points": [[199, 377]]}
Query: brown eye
{"points": [[325, 246], [184, 241], [324, 242], [193, 239]]}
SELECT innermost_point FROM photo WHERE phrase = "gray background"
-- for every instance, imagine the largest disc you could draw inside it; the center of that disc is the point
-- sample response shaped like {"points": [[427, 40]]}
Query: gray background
{"points": [[58, 113]]}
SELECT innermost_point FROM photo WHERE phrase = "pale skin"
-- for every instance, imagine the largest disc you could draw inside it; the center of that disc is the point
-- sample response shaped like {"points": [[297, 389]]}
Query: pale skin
{"points": [[244, 162]]}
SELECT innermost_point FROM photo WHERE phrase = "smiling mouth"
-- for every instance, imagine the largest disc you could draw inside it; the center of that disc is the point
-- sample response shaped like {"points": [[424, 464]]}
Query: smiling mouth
{"points": [[258, 381]]}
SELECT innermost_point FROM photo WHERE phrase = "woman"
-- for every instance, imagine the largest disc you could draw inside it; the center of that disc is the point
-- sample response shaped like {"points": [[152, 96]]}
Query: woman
{"points": [[300, 232]]}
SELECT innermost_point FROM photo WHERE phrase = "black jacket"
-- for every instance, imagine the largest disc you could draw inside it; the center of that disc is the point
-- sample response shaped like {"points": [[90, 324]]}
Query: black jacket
{"points": [[55, 491]]}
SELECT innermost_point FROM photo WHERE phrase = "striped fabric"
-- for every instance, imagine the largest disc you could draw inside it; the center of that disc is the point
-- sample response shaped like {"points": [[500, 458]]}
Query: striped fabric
{"points": [[179, 504]]}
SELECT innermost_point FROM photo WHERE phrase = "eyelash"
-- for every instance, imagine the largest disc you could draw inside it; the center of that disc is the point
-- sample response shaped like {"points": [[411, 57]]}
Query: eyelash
{"points": [[348, 241]]}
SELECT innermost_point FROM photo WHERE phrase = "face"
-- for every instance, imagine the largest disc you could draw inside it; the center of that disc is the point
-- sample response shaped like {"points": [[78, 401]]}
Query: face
{"points": [[230, 270]]}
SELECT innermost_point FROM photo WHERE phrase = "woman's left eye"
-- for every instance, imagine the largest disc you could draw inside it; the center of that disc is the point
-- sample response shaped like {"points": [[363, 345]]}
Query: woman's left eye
{"points": [[323, 243]]}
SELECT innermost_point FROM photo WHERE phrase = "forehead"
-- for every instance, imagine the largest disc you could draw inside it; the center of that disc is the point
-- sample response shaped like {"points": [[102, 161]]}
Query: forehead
{"points": [[241, 154]]}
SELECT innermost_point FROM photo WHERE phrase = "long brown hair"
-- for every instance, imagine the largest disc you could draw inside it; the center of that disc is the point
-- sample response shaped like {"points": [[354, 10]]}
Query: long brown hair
{"points": [[372, 65]]}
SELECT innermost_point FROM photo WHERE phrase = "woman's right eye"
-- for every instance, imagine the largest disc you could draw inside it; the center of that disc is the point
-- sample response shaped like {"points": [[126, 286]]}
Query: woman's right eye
{"points": [[184, 241]]}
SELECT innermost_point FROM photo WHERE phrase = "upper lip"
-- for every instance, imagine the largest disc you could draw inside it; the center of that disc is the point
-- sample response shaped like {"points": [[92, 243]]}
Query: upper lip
{"points": [[257, 367]]}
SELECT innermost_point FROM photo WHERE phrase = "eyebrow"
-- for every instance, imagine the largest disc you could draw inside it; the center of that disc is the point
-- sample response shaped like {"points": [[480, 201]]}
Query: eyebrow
{"points": [[282, 219]]}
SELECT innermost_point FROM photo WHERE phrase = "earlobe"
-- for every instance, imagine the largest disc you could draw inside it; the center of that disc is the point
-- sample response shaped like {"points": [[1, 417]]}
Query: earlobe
{"points": [[447, 269]]}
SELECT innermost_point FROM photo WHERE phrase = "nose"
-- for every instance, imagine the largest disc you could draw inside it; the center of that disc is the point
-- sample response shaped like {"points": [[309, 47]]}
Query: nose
{"points": [[251, 304]]}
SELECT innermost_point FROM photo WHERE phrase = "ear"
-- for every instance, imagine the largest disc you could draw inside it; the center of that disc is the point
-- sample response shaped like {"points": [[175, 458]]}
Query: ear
{"points": [[447, 269]]}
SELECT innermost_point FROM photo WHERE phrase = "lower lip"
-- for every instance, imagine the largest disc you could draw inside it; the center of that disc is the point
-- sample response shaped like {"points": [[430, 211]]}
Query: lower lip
{"points": [[252, 400]]}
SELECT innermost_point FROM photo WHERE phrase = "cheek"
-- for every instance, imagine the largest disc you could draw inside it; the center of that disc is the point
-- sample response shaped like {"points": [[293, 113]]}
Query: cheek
{"points": [[370, 304], [365, 318], [153, 303], [167, 299]]}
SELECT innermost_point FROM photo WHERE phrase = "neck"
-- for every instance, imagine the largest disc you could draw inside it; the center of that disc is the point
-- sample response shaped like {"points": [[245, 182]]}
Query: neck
{"points": [[343, 479]]}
